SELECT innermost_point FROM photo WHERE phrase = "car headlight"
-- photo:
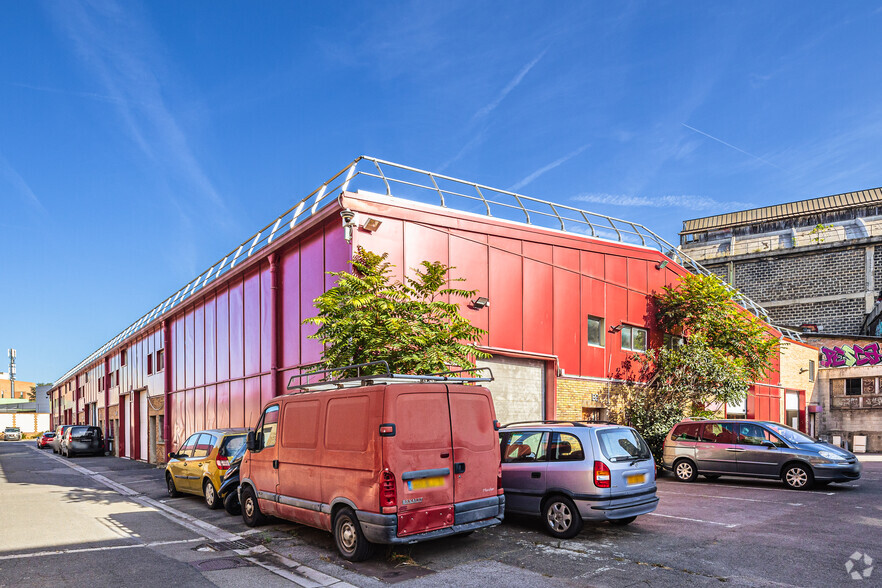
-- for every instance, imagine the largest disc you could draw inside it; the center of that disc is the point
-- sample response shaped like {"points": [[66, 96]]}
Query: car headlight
{"points": [[831, 456]]}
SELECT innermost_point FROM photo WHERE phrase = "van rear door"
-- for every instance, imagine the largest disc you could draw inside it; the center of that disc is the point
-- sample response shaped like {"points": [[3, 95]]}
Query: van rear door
{"points": [[475, 443]]}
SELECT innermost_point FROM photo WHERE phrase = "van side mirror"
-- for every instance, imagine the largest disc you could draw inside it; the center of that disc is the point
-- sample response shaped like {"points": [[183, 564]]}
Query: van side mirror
{"points": [[250, 442], [172, 455]]}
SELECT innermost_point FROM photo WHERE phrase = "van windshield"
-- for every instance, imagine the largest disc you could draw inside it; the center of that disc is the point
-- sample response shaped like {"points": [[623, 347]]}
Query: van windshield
{"points": [[789, 434], [622, 444]]}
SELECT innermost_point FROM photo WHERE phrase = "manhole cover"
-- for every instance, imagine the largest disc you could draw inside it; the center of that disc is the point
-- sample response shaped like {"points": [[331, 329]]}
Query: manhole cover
{"points": [[220, 563]]}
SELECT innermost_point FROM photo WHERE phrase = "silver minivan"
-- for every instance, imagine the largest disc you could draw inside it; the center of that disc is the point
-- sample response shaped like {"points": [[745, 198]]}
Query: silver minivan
{"points": [[758, 449], [569, 471]]}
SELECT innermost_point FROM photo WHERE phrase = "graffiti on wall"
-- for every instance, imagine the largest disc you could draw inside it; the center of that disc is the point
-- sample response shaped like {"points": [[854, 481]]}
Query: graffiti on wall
{"points": [[851, 355]]}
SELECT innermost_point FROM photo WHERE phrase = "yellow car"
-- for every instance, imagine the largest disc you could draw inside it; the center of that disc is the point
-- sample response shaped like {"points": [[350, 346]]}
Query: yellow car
{"points": [[198, 467]]}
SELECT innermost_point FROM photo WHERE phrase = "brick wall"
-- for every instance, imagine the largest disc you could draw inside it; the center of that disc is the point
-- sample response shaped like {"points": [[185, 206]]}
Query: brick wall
{"points": [[840, 316], [574, 395]]}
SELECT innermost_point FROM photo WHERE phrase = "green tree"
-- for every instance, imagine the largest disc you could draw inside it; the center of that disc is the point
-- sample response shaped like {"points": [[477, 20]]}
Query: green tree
{"points": [[369, 317], [717, 350]]}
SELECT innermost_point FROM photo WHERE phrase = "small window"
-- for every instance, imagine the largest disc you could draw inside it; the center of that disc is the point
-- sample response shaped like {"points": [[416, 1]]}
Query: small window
{"points": [[123, 356], [853, 387], [266, 431], [718, 433], [595, 331], [811, 372], [186, 449], [149, 364], [525, 446], [204, 445], [565, 447], [634, 338], [160, 360], [686, 432]]}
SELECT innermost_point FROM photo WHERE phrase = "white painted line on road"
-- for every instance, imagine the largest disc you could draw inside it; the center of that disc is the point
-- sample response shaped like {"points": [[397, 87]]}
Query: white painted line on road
{"points": [[727, 525], [771, 489], [104, 548], [299, 574], [728, 498]]}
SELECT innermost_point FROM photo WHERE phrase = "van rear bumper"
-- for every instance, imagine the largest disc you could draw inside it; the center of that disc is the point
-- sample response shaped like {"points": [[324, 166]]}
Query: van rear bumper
{"points": [[468, 516]]}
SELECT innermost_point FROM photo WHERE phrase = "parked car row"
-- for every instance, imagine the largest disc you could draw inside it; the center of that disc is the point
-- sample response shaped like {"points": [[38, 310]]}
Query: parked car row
{"points": [[72, 440]]}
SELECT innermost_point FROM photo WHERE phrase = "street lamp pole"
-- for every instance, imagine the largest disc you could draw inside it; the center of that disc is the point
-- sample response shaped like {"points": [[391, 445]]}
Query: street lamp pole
{"points": [[12, 372]]}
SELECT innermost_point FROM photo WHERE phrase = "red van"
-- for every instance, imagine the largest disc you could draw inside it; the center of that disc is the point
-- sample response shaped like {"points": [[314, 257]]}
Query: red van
{"points": [[377, 459]]}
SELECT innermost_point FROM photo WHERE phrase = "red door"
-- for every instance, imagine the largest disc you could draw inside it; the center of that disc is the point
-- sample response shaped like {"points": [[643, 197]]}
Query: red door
{"points": [[475, 443]]}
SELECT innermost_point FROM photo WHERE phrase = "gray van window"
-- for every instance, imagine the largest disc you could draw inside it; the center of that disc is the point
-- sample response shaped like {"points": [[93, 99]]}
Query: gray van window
{"points": [[686, 432], [789, 434], [621, 444], [565, 447], [525, 446], [718, 433]]}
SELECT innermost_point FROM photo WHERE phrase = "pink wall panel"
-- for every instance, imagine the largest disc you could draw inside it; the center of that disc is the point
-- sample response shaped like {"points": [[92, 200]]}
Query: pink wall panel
{"points": [[538, 252], [616, 270], [178, 355], [223, 405], [211, 407], [388, 239], [594, 304], [199, 347], [223, 335], [506, 302], [312, 282], [199, 408], [537, 311], [566, 302], [469, 260], [178, 414], [237, 403], [266, 390], [237, 337], [252, 401], [639, 310], [506, 244], [210, 340], [189, 349], [637, 279], [251, 316], [655, 279], [266, 329], [337, 252], [289, 308], [423, 244], [190, 411], [566, 258]]}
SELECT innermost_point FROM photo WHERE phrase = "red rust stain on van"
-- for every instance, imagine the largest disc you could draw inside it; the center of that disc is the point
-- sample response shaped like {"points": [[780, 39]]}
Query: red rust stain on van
{"points": [[421, 521]]}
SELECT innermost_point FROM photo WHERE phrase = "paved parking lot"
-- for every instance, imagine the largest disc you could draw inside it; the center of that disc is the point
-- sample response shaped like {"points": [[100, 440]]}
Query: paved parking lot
{"points": [[741, 532]]}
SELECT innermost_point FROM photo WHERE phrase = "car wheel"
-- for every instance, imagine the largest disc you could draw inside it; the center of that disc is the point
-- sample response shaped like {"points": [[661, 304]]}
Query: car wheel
{"points": [[349, 538], [622, 522], [170, 486], [798, 477], [211, 499], [250, 509], [711, 476], [561, 517], [684, 470], [231, 503]]}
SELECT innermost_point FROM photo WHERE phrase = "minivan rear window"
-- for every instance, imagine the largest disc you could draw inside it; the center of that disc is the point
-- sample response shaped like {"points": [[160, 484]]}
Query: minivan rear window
{"points": [[686, 432], [622, 444]]}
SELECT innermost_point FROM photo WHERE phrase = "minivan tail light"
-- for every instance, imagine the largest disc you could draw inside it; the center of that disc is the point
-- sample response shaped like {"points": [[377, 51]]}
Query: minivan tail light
{"points": [[601, 475], [388, 494], [499, 480], [222, 462]]}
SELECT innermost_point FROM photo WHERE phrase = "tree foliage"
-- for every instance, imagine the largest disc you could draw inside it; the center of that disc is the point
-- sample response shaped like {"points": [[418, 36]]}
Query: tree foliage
{"points": [[369, 317]]}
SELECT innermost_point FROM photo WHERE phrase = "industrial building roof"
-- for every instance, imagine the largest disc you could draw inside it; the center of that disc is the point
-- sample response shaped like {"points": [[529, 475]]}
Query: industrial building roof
{"points": [[834, 203]]}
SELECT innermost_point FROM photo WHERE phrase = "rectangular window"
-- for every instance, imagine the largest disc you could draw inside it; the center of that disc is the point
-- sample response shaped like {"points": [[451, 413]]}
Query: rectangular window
{"points": [[123, 356], [595, 331], [160, 360], [634, 338], [811, 371], [853, 387], [160, 428], [149, 364]]}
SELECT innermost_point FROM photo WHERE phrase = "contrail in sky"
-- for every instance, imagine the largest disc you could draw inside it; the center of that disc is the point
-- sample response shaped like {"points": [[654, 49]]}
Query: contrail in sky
{"points": [[732, 147]]}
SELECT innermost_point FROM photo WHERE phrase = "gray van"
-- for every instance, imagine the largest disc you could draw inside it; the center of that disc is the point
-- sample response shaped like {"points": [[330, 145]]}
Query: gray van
{"points": [[568, 471], [758, 449]]}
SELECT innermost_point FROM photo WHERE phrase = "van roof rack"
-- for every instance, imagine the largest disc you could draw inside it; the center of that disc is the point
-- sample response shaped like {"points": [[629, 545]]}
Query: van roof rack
{"points": [[380, 373], [553, 422]]}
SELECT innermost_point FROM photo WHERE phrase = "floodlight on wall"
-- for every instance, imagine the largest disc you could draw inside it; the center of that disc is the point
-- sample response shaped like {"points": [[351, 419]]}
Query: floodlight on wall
{"points": [[371, 224], [480, 303], [661, 265], [617, 328]]}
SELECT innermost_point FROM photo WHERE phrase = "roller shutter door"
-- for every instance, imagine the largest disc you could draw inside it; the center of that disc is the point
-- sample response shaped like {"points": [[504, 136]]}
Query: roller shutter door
{"points": [[518, 388]]}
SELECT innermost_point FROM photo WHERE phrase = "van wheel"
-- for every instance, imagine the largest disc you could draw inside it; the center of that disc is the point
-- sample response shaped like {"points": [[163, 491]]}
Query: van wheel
{"points": [[348, 536], [622, 522], [250, 509], [685, 470], [211, 499], [170, 486], [562, 519], [798, 477], [231, 503]]}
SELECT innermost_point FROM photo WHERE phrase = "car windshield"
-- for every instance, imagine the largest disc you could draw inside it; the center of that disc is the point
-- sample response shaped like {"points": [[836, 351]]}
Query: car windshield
{"points": [[622, 444], [13, 430], [788, 434], [48, 434]]}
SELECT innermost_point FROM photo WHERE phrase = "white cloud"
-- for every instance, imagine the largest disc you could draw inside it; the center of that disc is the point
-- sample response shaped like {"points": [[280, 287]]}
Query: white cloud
{"points": [[698, 203]]}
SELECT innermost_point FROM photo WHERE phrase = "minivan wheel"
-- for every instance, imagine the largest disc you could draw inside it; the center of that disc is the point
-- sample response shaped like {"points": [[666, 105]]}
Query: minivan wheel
{"points": [[561, 517], [250, 509], [349, 538], [798, 477], [685, 470], [170, 486], [211, 499]]}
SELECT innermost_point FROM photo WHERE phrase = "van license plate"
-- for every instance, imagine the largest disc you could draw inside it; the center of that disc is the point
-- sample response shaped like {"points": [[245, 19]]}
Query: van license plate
{"points": [[636, 479], [425, 483]]}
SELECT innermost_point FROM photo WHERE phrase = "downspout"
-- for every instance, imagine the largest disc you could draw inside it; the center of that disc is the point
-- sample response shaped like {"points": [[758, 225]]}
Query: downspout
{"points": [[167, 386], [106, 381], [274, 323]]}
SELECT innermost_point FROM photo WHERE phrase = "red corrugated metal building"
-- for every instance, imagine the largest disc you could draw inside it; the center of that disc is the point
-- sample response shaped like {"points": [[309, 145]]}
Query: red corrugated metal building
{"points": [[567, 291]]}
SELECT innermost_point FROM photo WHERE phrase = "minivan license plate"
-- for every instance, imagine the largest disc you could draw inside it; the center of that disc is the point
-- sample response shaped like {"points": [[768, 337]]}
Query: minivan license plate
{"points": [[636, 479], [425, 483]]}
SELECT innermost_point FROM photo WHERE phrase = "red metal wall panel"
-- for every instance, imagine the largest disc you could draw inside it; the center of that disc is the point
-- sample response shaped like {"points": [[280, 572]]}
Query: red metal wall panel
{"points": [[506, 299], [223, 335], [616, 270], [537, 309], [637, 279], [593, 304], [266, 329], [211, 407], [616, 312], [639, 312], [223, 405], [389, 239], [423, 243], [199, 409], [567, 298], [190, 411], [237, 403], [289, 338], [266, 390], [210, 340], [189, 349], [199, 345], [252, 401], [251, 316], [469, 260], [538, 252], [178, 414], [237, 337], [337, 252], [312, 284], [592, 264], [566, 258]]}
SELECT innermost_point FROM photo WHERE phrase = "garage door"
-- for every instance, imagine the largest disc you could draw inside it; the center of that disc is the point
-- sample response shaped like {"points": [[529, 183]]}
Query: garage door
{"points": [[518, 388]]}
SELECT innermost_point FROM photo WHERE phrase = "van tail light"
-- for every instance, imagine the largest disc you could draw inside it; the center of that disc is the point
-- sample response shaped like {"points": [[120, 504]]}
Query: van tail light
{"points": [[222, 462], [499, 480], [388, 494], [601, 475]]}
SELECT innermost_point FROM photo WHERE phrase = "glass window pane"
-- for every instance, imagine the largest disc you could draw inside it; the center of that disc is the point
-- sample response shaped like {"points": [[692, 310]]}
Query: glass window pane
{"points": [[626, 338], [525, 446], [565, 447], [268, 429], [204, 445], [622, 443], [750, 434], [595, 331], [639, 339], [687, 432]]}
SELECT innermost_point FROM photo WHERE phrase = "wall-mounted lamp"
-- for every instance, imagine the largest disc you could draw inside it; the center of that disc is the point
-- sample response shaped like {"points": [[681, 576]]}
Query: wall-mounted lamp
{"points": [[801, 370], [347, 216], [661, 265], [371, 224], [480, 303], [617, 328]]}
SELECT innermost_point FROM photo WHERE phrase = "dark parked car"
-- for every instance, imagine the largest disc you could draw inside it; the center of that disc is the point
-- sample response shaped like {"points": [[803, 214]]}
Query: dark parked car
{"points": [[59, 436], [83, 440], [759, 449], [45, 440], [229, 489]]}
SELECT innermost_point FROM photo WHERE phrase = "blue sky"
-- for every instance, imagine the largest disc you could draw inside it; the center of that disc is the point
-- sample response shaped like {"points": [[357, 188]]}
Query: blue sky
{"points": [[141, 142]]}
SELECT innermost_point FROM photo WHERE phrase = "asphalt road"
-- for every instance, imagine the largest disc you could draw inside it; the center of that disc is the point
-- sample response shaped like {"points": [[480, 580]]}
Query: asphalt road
{"points": [[725, 532]]}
